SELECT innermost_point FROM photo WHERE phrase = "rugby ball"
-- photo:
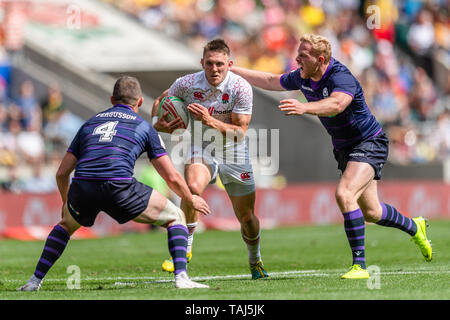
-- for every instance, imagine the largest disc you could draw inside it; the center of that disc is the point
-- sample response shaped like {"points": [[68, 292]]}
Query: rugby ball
{"points": [[176, 107]]}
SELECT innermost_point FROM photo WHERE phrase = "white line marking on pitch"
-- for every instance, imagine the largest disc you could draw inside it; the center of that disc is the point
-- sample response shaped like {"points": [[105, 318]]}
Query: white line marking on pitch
{"points": [[297, 273]]}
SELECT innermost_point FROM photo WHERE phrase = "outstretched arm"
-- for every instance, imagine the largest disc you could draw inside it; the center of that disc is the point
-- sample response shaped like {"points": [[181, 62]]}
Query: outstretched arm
{"points": [[260, 79], [176, 182], [333, 105]]}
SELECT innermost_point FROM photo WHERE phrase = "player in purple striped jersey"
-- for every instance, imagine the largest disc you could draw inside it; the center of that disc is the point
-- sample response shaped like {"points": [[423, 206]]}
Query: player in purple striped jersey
{"points": [[360, 145], [103, 154]]}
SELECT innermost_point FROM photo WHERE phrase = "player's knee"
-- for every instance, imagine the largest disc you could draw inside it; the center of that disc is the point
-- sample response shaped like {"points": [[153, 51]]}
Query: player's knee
{"points": [[68, 226], [195, 187], [171, 215], [67, 222], [247, 218], [344, 197]]}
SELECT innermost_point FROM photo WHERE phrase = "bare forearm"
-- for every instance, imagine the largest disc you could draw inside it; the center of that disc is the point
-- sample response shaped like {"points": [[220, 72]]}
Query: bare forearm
{"points": [[157, 102], [174, 179], [63, 186], [260, 79], [66, 167], [177, 184], [226, 129], [326, 107]]}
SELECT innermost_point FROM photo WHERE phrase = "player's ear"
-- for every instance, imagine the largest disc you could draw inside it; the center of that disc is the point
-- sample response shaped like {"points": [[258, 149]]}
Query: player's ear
{"points": [[140, 101], [202, 62], [230, 63], [112, 100], [321, 59]]}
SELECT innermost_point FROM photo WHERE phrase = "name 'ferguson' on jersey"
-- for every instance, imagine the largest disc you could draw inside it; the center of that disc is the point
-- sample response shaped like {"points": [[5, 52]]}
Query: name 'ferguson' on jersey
{"points": [[108, 144]]}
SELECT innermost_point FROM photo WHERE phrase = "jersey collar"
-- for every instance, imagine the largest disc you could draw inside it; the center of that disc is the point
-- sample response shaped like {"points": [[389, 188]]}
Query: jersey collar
{"points": [[315, 84], [123, 106]]}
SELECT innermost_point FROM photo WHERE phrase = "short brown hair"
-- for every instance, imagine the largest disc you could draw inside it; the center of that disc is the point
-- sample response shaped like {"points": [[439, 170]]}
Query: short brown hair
{"points": [[218, 45], [127, 90], [320, 45]]}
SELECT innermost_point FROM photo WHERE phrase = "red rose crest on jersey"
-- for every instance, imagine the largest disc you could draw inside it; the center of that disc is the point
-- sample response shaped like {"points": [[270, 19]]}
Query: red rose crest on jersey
{"points": [[245, 176], [225, 98], [198, 95]]}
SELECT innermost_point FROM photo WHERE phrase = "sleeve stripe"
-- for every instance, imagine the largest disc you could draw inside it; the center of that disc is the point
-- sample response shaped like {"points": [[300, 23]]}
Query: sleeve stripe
{"points": [[341, 90], [161, 154], [282, 79]]}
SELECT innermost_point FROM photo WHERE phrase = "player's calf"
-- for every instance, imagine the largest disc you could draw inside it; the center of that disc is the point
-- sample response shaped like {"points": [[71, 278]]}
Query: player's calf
{"points": [[54, 246], [392, 218]]}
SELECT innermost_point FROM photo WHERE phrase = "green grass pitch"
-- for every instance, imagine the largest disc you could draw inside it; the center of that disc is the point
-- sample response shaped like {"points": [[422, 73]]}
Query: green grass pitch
{"points": [[305, 263]]}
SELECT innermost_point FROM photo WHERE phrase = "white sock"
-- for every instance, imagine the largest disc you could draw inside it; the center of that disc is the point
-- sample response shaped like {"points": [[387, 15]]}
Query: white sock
{"points": [[181, 275], [191, 229], [254, 254]]}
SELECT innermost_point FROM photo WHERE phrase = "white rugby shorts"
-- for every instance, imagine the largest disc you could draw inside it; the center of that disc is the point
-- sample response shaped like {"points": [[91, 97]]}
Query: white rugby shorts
{"points": [[236, 177]]}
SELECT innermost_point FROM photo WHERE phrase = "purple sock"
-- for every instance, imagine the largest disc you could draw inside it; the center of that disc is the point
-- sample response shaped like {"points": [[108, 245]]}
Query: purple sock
{"points": [[355, 229], [177, 239], [392, 218], [54, 247]]}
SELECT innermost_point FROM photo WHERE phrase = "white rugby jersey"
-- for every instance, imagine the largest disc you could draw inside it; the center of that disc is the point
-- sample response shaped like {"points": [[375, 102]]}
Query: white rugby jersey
{"points": [[234, 94]]}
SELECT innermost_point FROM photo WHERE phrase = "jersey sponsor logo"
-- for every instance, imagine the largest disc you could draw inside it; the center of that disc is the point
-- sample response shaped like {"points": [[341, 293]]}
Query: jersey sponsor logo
{"points": [[222, 111], [213, 110], [307, 88], [225, 98], [75, 211], [245, 176], [357, 154], [199, 95], [325, 92]]}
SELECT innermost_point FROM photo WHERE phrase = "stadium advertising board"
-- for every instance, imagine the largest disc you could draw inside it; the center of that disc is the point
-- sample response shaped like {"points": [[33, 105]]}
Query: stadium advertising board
{"points": [[25, 216]]}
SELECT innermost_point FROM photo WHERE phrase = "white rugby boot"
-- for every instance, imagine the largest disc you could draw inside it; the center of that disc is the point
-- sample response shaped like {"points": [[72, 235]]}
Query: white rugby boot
{"points": [[182, 281], [33, 284]]}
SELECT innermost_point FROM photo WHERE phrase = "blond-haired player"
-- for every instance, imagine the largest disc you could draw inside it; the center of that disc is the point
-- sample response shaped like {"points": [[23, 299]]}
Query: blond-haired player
{"points": [[359, 144]]}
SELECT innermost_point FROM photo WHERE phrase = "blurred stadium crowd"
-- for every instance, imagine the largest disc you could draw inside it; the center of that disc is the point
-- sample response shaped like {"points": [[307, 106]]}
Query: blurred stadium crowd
{"points": [[393, 61], [34, 131]]}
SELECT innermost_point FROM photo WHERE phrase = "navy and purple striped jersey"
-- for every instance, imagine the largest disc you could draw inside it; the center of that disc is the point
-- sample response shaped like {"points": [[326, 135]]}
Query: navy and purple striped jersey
{"points": [[108, 144], [353, 125]]}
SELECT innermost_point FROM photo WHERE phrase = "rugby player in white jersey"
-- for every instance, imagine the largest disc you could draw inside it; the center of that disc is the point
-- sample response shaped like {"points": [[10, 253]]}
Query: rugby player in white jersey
{"points": [[221, 101]]}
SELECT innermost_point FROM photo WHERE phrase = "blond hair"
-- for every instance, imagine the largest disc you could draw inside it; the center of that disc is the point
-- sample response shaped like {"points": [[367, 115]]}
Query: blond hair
{"points": [[320, 45]]}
